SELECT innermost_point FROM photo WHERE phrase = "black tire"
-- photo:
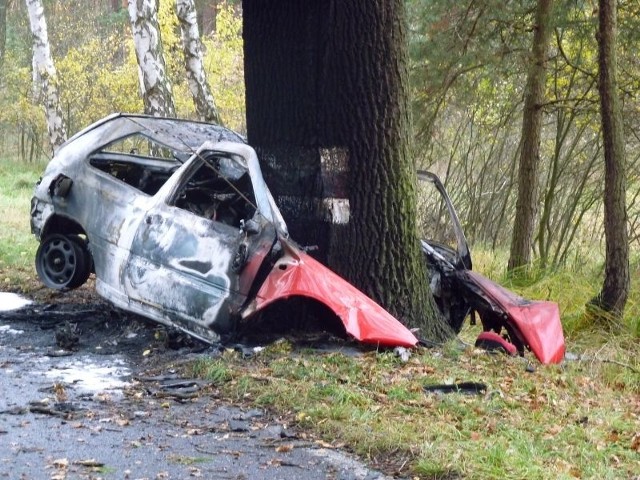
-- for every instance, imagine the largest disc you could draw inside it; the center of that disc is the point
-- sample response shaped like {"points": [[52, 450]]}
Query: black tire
{"points": [[63, 262]]}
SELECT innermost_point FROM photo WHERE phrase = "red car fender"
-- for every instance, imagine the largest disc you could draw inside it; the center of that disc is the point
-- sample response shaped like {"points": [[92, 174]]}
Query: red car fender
{"points": [[298, 274], [538, 323]]}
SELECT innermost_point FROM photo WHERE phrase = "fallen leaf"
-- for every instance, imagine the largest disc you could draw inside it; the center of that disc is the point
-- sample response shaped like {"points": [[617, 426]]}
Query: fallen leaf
{"points": [[635, 442], [284, 448]]}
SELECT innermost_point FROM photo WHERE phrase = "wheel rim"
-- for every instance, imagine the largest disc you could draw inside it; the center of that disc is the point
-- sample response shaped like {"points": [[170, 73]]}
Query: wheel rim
{"points": [[58, 261]]}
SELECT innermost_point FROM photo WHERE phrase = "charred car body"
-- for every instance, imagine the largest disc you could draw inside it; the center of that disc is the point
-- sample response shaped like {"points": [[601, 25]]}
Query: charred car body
{"points": [[176, 221]]}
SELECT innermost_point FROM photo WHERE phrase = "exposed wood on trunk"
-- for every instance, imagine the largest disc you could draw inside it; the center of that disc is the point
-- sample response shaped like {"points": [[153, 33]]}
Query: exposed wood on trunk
{"points": [[154, 83], [196, 76], [45, 81]]}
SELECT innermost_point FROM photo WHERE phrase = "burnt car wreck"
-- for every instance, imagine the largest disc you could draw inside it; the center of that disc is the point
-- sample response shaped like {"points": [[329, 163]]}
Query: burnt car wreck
{"points": [[178, 225]]}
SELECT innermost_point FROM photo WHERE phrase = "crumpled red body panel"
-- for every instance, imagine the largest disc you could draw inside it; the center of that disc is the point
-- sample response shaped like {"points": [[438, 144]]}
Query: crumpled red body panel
{"points": [[537, 322], [298, 274]]}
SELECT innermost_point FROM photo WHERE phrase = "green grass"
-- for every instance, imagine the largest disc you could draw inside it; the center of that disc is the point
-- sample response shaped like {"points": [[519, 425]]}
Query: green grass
{"points": [[17, 244], [578, 419]]}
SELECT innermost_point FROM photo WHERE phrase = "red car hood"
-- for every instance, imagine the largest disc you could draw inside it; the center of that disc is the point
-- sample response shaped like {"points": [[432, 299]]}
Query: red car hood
{"points": [[298, 274]]}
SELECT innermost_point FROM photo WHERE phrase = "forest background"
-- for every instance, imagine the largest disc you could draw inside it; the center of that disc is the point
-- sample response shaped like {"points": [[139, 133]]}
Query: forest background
{"points": [[469, 65], [469, 68]]}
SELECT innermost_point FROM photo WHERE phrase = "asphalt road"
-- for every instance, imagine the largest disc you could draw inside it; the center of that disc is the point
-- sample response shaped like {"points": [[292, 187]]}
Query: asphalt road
{"points": [[110, 407]]}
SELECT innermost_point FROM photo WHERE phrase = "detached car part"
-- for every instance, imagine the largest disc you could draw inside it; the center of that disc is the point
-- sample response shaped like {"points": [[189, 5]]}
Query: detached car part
{"points": [[509, 321]]}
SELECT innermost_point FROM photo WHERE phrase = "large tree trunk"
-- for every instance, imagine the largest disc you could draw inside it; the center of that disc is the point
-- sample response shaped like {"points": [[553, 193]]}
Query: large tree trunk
{"points": [[45, 80], [530, 141], [196, 76], [615, 289], [154, 82], [327, 104]]}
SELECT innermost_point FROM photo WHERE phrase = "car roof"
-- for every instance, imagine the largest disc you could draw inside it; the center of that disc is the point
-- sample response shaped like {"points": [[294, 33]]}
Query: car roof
{"points": [[178, 134]]}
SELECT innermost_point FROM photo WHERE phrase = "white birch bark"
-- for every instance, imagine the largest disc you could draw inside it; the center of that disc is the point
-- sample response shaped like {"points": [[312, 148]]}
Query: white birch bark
{"points": [[192, 48], [154, 82], [45, 80]]}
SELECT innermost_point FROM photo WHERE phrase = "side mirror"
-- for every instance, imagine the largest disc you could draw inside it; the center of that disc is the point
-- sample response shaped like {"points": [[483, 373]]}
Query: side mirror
{"points": [[250, 227]]}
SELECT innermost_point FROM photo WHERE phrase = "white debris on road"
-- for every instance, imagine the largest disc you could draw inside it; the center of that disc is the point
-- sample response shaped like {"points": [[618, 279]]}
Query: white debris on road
{"points": [[12, 301]]}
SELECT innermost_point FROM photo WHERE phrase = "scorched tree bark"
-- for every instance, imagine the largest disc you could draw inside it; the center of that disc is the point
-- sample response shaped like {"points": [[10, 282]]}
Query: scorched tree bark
{"points": [[327, 86]]}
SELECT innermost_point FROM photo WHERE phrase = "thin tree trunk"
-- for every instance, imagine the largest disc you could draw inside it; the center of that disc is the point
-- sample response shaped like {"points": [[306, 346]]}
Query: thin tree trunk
{"points": [[45, 82], [3, 31], [207, 16], [154, 82], [192, 48], [615, 289], [530, 141]]}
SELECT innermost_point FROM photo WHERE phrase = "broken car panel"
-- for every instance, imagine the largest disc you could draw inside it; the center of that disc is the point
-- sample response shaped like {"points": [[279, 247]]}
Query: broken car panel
{"points": [[178, 225], [516, 323], [176, 221]]}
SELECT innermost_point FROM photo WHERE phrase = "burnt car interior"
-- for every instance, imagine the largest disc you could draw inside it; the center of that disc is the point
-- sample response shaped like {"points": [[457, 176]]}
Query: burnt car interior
{"points": [[137, 161], [219, 190]]}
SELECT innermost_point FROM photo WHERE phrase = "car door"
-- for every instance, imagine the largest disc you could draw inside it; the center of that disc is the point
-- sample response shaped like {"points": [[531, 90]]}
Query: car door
{"points": [[445, 248], [199, 247]]}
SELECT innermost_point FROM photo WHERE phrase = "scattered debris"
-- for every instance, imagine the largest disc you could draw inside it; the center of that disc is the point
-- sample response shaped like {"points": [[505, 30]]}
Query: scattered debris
{"points": [[467, 388]]}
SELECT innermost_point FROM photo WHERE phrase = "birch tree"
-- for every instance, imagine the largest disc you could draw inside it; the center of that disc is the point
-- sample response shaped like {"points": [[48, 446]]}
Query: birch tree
{"points": [[155, 85], [45, 83], [192, 48]]}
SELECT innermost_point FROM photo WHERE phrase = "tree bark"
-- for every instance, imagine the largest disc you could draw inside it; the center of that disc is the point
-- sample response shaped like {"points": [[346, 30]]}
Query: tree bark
{"points": [[327, 87], [615, 289], [154, 83], [207, 16], [196, 76], [45, 80], [529, 165], [3, 30]]}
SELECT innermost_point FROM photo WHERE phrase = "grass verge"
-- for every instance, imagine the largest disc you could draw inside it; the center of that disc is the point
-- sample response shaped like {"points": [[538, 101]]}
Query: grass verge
{"points": [[17, 244], [577, 420]]}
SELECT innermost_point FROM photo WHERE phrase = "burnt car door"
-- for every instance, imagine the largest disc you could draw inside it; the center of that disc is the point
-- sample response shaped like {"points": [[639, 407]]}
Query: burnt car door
{"points": [[197, 250], [444, 246]]}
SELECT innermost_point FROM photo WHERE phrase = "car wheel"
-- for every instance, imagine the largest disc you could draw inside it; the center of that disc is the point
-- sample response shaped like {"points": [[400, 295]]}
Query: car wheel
{"points": [[63, 261]]}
